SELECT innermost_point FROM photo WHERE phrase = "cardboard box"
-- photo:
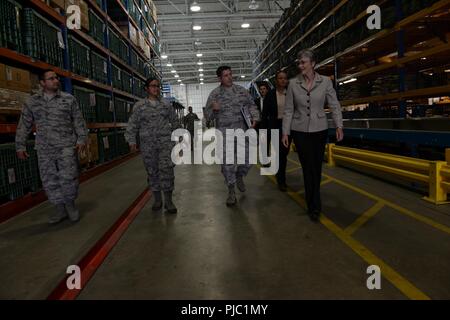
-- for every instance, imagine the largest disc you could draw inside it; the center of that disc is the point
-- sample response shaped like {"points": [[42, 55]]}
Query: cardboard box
{"points": [[93, 147], [2, 75], [12, 100], [147, 50], [90, 155], [18, 79], [84, 15], [58, 4], [133, 34], [141, 40]]}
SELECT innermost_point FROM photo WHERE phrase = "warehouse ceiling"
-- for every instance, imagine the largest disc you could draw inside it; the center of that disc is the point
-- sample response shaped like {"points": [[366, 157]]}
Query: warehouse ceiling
{"points": [[222, 40]]}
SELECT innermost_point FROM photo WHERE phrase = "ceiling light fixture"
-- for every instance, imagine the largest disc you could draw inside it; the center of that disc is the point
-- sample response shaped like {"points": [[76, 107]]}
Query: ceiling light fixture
{"points": [[242, 76], [169, 64], [173, 71], [245, 25], [351, 80], [197, 28], [201, 83], [200, 70], [253, 5], [179, 80], [199, 55], [181, 84], [164, 56], [176, 76], [200, 63], [195, 7], [201, 79]]}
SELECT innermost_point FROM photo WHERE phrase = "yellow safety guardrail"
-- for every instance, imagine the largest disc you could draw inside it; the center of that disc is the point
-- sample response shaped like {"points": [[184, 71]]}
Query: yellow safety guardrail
{"points": [[436, 174]]}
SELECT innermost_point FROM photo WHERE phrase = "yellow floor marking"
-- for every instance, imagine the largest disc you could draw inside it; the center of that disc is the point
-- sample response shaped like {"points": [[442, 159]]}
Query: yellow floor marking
{"points": [[394, 206], [402, 284], [322, 183], [366, 216], [293, 169]]}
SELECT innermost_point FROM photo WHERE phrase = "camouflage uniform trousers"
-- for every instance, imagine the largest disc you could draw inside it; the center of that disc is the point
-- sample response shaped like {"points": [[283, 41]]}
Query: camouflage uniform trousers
{"points": [[158, 163], [59, 173], [231, 171]]}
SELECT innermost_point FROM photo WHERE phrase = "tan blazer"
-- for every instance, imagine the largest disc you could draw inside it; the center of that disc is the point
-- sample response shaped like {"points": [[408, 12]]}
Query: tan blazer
{"points": [[305, 112]]}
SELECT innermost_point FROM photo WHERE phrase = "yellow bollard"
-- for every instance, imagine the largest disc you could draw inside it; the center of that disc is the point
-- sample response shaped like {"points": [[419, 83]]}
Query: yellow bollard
{"points": [[437, 194], [330, 159]]}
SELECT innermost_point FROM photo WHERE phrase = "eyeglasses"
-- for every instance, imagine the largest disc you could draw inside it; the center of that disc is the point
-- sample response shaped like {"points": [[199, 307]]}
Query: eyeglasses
{"points": [[52, 78]]}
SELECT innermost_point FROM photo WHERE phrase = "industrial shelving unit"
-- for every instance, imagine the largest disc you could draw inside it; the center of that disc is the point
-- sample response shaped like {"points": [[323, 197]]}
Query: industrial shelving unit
{"points": [[399, 71], [132, 22]]}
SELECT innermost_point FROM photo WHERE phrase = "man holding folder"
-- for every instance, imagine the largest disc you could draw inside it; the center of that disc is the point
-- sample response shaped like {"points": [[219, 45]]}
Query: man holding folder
{"points": [[233, 108]]}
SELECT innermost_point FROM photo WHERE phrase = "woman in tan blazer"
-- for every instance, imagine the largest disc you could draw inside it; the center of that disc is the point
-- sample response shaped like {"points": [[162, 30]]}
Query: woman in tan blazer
{"points": [[305, 120]]}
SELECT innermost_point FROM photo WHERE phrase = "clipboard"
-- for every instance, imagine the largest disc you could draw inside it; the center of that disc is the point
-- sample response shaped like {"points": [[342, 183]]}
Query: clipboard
{"points": [[247, 117]]}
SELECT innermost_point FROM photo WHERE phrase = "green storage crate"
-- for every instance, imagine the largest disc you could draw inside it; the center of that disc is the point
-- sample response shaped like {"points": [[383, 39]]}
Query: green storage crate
{"points": [[10, 28], [118, 46], [79, 57], [18, 177], [86, 101], [42, 39], [116, 75], [122, 145], [97, 28], [104, 108], [122, 109], [107, 146], [99, 68], [127, 82]]}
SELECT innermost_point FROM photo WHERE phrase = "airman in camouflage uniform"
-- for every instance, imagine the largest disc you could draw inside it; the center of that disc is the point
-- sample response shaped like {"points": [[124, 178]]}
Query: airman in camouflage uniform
{"points": [[224, 105], [154, 119], [189, 124], [60, 131]]}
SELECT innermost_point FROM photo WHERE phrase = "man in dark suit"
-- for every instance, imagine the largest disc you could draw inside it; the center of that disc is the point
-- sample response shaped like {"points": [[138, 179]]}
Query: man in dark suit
{"points": [[263, 89], [272, 118]]}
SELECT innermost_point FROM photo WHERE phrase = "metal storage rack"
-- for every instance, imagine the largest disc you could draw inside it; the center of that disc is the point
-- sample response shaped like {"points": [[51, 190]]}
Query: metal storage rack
{"points": [[84, 60]]}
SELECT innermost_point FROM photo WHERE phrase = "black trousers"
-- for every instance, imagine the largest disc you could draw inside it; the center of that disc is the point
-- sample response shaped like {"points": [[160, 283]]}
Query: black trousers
{"points": [[283, 153], [311, 148]]}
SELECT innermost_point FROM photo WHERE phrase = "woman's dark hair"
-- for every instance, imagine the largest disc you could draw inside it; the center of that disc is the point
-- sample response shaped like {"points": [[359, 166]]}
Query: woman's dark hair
{"points": [[149, 80], [280, 71]]}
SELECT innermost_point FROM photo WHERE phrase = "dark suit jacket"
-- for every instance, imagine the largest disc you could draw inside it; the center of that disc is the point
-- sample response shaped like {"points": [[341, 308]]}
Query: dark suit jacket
{"points": [[270, 111]]}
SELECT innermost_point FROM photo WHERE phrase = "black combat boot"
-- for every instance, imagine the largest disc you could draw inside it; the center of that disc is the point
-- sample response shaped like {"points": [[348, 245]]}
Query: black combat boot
{"points": [[157, 205], [231, 200], [168, 204], [74, 214], [59, 215]]}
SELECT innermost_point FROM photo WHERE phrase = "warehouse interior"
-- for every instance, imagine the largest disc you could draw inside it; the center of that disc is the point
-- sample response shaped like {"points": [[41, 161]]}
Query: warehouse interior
{"points": [[385, 187]]}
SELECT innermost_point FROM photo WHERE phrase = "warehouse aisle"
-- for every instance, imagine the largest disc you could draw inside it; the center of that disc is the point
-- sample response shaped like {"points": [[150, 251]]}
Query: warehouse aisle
{"points": [[267, 248], [34, 256]]}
